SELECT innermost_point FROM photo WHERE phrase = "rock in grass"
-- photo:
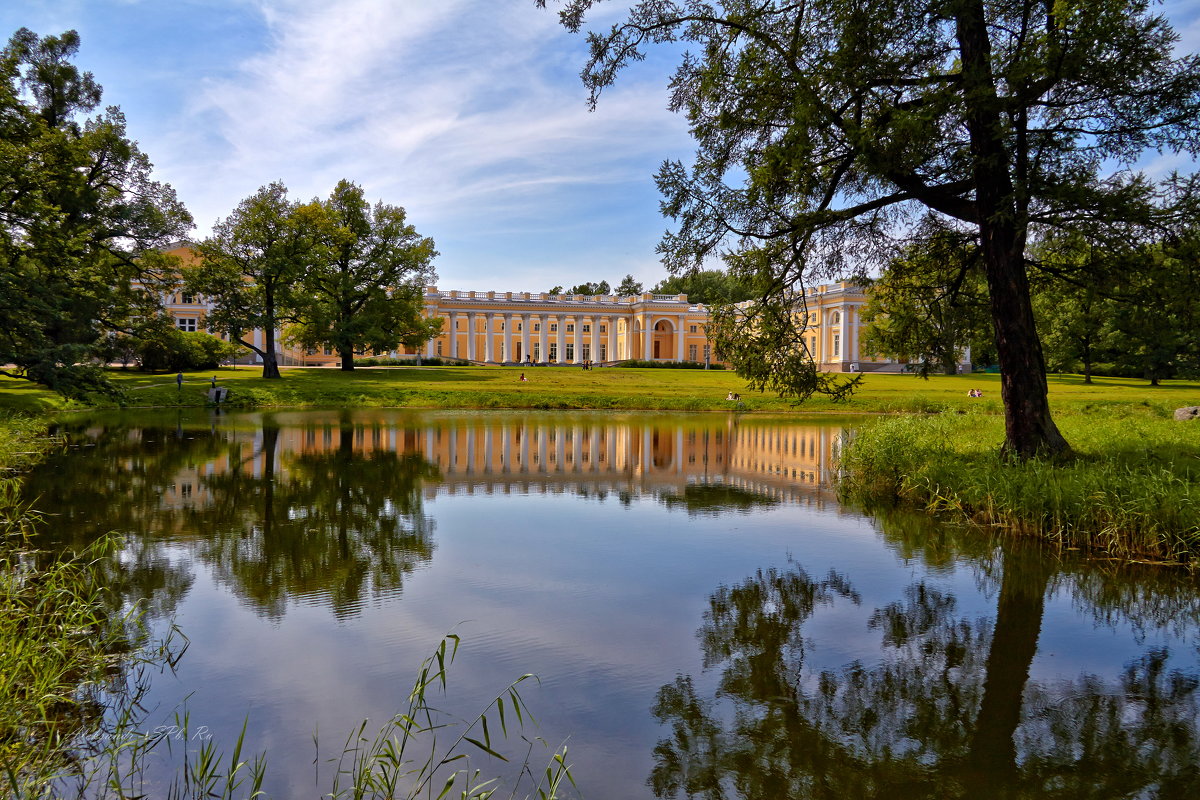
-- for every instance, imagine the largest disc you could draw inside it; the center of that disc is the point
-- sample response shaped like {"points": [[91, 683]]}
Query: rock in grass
{"points": [[1187, 412]]}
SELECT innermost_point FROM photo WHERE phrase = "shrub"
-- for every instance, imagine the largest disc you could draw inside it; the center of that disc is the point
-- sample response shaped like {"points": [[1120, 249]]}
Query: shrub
{"points": [[174, 350]]}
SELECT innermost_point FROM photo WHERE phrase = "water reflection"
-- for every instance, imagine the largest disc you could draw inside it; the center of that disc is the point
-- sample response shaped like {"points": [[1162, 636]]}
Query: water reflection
{"points": [[328, 506], [947, 710], [839, 656]]}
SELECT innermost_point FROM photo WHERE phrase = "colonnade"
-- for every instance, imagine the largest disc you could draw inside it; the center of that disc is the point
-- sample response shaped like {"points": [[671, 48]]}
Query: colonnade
{"points": [[543, 336]]}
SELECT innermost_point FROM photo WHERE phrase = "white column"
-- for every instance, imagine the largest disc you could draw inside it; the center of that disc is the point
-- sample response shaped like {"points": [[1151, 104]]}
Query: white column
{"points": [[488, 327], [854, 335], [430, 345], [578, 339], [595, 338], [679, 338], [525, 354], [611, 323], [561, 320], [508, 352], [453, 335], [647, 337], [471, 335], [543, 337]]}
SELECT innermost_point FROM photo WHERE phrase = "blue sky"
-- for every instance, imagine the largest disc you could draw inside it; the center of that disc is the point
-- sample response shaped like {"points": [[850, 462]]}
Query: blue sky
{"points": [[469, 113]]}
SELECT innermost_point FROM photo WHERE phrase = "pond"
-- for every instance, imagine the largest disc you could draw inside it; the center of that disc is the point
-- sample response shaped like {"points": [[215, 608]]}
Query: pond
{"points": [[705, 619]]}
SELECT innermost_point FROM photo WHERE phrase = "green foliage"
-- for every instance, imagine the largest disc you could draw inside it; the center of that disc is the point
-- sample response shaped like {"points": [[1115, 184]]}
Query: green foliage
{"points": [[628, 286], [250, 267], [929, 304], [634, 363], [80, 218], [825, 129], [364, 283], [175, 351], [712, 287], [1133, 488]]}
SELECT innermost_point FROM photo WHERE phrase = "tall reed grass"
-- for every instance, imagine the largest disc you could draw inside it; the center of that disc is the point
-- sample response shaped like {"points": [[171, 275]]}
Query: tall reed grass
{"points": [[1131, 489]]}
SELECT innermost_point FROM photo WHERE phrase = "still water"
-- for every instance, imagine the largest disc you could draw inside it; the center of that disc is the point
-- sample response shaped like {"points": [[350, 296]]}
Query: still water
{"points": [[704, 618]]}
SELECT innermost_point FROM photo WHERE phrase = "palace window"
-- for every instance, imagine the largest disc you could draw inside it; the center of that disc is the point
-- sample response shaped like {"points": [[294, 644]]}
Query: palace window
{"points": [[837, 345], [570, 327], [587, 328], [554, 327], [439, 347], [693, 329], [537, 351], [570, 351], [554, 351], [187, 299], [537, 327], [187, 324], [603, 352], [586, 354], [602, 329], [692, 352], [836, 319], [707, 354]]}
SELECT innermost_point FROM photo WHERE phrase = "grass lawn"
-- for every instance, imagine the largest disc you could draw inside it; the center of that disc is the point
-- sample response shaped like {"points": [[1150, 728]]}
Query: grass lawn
{"points": [[564, 387]]}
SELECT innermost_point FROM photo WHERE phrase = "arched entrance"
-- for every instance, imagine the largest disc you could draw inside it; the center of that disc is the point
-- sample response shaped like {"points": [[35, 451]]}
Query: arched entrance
{"points": [[664, 340]]}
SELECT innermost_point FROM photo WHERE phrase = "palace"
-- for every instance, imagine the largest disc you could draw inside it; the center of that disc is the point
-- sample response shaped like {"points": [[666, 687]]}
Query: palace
{"points": [[539, 328]]}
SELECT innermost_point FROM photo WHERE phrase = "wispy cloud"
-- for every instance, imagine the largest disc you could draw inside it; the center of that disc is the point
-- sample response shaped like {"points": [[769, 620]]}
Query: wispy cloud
{"points": [[467, 112]]}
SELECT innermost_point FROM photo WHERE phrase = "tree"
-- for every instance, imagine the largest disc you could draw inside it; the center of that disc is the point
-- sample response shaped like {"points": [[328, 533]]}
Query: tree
{"points": [[712, 287], [845, 121], [927, 304], [365, 283], [628, 286], [1074, 304], [585, 288], [80, 219], [250, 266]]}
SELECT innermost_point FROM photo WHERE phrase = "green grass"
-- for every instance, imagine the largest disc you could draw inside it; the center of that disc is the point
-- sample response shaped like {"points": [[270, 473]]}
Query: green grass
{"points": [[1132, 488], [568, 388]]}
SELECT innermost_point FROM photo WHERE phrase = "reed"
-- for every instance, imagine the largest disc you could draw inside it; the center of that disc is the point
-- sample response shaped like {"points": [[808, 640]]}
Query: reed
{"points": [[1131, 489]]}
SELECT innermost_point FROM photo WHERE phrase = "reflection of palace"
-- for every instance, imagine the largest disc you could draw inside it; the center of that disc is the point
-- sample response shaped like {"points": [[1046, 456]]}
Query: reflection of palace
{"points": [[773, 458]]}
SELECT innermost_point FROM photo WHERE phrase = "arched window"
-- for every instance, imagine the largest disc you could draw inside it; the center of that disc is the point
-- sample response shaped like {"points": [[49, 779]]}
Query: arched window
{"points": [[836, 319]]}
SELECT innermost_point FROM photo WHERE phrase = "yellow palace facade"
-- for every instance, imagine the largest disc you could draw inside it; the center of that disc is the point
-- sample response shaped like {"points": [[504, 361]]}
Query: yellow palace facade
{"points": [[531, 327]]}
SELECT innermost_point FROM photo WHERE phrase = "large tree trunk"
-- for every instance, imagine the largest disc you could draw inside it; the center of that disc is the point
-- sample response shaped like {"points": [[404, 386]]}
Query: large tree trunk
{"points": [[347, 359], [270, 359], [1029, 430]]}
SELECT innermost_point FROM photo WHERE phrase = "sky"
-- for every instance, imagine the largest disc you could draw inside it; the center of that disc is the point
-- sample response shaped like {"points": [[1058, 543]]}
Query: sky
{"points": [[468, 113]]}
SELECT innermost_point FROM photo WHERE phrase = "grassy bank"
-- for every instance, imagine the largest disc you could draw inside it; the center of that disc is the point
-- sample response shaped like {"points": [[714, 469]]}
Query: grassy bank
{"points": [[567, 388], [1131, 490]]}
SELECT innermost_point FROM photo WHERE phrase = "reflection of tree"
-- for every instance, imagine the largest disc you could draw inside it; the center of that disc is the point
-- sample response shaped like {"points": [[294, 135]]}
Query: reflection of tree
{"points": [[336, 524], [112, 478], [713, 499], [946, 712]]}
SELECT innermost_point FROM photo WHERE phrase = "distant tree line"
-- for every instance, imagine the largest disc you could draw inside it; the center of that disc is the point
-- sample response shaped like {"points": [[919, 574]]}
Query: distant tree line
{"points": [[84, 230], [1101, 308], [710, 287]]}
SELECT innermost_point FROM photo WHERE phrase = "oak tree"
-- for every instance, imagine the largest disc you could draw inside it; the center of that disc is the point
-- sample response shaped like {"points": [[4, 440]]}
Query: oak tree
{"points": [[364, 284], [824, 128], [82, 223]]}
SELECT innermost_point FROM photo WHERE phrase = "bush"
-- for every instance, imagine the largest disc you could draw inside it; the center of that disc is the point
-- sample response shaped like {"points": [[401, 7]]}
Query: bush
{"points": [[634, 363], [174, 350]]}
